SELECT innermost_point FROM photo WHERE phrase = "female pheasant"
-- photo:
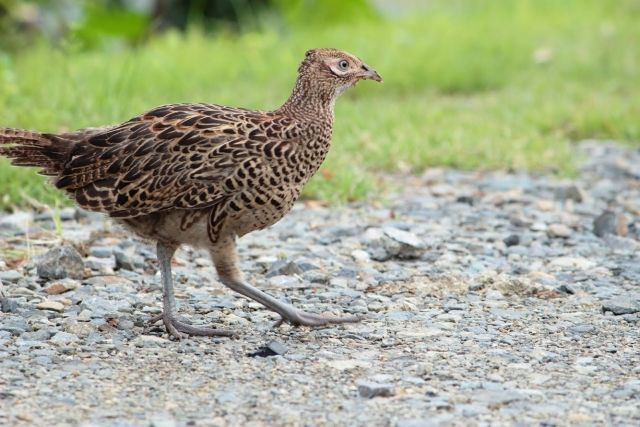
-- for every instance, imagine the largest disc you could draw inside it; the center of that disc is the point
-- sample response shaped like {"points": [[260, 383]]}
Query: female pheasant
{"points": [[201, 174]]}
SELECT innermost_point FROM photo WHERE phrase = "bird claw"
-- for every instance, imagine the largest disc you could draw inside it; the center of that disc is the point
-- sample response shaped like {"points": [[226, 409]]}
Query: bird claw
{"points": [[303, 318], [180, 330]]}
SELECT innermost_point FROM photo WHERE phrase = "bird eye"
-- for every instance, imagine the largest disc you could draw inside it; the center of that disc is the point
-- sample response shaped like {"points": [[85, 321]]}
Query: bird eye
{"points": [[343, 64]]}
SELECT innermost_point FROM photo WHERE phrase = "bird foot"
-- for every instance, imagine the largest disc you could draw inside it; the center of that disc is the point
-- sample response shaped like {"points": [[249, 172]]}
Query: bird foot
{"points": [[180, 330], [303, 318]]}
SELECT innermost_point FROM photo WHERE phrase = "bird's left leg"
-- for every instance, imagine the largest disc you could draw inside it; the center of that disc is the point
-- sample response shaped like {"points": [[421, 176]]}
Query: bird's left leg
{"points": [[176, 328], [226, 262]]}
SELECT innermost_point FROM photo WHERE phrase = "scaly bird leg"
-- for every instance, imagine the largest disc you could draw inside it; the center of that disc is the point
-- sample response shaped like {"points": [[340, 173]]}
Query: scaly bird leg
{"points": [[176, 328], [226, 262]]}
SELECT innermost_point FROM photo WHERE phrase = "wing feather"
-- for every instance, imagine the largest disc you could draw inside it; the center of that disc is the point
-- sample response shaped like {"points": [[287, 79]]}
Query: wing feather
{"points": [[178, 156]]}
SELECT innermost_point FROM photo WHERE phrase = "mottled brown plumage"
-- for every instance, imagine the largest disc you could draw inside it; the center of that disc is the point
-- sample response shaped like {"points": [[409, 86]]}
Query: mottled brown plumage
{"points": [[201, 174]]}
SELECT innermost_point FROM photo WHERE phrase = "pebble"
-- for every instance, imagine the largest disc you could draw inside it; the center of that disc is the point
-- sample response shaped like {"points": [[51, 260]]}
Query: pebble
{"points": [[558, 230], [63, 338], [51, 306], [570, 192], [61, 286], [391, 242], [610, 223], [621, 305], [8, 305], [284, 268], [101, 251], [127, 259], [511, 240], [147, 341], [370, 390], [273, 348], [59, 263], [581, 329], [10, 276]]}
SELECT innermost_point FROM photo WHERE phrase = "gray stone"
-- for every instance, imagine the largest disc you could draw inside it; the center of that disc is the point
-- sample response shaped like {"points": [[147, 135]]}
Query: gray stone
{"points": [[10, 276], [610, 222], [146, 341], [19, 221], [39, 335], [101, 251], [8, 305], [581, 329], [511, 240], [60, 262], [284, 268], [127, 259], [101, 307], [570, 192], [621, 305], [63, 338], [369, 390], [15, 325], [101, 265], [277, 347], [508, 313], [391, 242]]}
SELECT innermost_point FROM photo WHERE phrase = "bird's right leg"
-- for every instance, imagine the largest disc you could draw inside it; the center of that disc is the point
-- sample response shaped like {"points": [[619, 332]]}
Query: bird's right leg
{"points": [[174, 327], [226, 262]]}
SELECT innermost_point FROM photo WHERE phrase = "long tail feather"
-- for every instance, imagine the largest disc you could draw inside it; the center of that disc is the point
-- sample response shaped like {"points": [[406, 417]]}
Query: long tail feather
{"points": [[26, 148]]}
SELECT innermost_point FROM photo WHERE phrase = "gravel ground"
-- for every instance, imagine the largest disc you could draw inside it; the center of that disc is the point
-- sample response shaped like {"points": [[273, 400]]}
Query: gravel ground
{"points": [[489, 299]]}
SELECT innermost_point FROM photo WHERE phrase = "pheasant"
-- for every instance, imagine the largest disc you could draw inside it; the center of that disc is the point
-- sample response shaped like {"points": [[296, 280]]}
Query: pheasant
{"points": [[202, 174]]}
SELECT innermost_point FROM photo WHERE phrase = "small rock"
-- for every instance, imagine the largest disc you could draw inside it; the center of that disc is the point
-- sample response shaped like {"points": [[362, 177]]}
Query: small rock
{"points": [[370, 390], [17, 221], [146, 341], [286, 282], [127, 259], [620, 306], [59, 263], [101, 251], [494, 295], [610, 223], [284, 268], [468, 200], [581, 329], [15, 325], [391, 242], [511, 240], [579, 263], [8, 305], [10, 276], [51, 306], [39, 335], [273, 348], [570, 192], [360, 255], [61, 286], [63, 338], [558, 230]]}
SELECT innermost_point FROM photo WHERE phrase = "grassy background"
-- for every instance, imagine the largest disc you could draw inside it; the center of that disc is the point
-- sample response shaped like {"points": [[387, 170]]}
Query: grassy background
{"points": [[468, 84]]}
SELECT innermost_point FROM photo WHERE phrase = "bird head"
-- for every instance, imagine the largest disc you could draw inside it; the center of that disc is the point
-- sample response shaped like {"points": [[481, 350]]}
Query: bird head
{"points": [[336, 69]]}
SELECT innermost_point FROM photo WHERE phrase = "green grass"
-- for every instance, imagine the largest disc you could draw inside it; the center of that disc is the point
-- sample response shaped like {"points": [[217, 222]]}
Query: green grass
{"points": [[462, 87]]}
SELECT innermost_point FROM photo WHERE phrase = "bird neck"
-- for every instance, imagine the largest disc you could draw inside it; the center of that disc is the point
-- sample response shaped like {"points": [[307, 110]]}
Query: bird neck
{"points": [[310, 101]]}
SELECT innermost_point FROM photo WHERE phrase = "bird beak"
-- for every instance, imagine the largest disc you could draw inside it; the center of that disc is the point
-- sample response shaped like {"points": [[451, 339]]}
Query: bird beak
{"points": [[370, 74]]}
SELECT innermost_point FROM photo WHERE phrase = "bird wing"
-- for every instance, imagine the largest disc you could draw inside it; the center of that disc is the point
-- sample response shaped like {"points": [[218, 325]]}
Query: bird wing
{"points": [[180, 156]]}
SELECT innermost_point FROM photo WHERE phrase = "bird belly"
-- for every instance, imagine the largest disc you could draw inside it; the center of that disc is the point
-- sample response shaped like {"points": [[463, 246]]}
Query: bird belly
{"points": [[173, 227]]}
